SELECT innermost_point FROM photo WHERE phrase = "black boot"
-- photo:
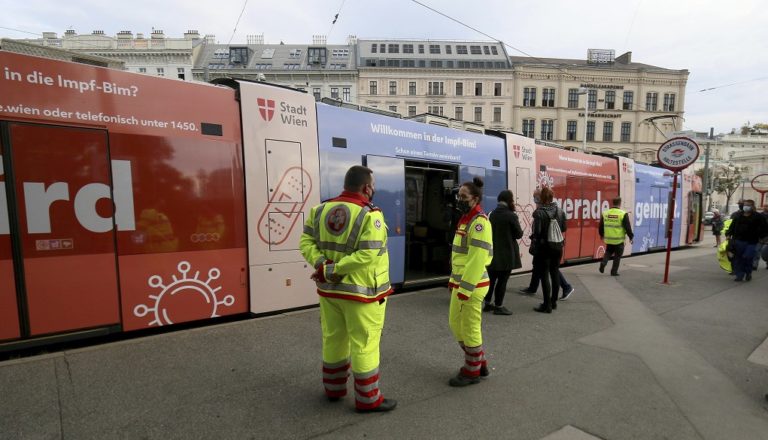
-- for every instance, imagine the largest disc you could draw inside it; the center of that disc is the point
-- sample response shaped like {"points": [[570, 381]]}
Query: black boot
{"points": [[386, 405]]}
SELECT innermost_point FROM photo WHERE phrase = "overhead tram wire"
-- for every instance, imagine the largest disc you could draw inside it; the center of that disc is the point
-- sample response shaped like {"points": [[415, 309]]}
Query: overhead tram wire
{"points": [[237, 22], [558, 68], [732, 84], [335, 18]]}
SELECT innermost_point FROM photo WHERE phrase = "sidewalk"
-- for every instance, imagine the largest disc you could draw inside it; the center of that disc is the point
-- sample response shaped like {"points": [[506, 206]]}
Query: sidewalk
{"points": [[624, 358]]}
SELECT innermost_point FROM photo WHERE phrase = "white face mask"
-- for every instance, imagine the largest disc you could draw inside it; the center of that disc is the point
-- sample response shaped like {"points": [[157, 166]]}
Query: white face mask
{"points": [[747, 208]]}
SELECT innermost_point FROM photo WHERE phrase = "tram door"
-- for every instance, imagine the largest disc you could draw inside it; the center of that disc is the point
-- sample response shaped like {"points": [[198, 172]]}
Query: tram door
{"points": [[61, 228], [389, 173], [9, 311], [658, 222]]}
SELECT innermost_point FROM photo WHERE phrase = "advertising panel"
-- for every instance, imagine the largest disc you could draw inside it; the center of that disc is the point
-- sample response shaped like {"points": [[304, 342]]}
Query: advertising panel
{"points": [[649, 216], [9, 314], [280, 146], [584, 186]]}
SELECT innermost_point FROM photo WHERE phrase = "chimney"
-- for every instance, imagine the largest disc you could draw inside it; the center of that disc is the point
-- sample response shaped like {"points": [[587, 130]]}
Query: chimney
{"points": [[98, 33], [626, 58], [352, 40], [139, 36], [210, 38], [69, 33], [157, 34], [124, 35], [255, 39], [192, 35], [319, 39]]}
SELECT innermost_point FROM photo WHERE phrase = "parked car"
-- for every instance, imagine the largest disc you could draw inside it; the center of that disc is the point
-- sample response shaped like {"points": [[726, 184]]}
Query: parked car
{"points": [[708, 217]]}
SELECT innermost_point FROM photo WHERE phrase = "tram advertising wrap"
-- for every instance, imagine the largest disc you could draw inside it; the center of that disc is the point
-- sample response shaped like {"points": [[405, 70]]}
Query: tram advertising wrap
{"points": [[584, 186], [652, 194]]}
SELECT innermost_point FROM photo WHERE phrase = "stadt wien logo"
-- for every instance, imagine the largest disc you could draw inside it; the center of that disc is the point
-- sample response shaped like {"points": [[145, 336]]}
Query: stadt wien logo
{"points": [[266, 108]]}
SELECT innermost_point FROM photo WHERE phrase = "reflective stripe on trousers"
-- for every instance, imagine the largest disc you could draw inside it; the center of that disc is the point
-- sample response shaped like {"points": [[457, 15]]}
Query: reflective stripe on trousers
{"points": [[335, 378], [367, 394], [474, 359]]}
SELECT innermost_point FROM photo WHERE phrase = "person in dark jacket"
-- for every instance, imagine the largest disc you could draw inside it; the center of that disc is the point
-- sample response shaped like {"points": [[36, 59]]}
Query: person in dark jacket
{"points": [[746, 230], [506, 252], [548, 256], [717, 226]]}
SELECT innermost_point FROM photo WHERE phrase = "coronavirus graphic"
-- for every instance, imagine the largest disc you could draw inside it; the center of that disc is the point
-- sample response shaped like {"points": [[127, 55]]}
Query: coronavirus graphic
{"points": [[648, 242], [543, 179], [186, 285]]}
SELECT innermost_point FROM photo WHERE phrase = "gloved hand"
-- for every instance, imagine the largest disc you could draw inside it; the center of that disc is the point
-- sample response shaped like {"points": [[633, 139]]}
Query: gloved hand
{"points": [[318, 275]]}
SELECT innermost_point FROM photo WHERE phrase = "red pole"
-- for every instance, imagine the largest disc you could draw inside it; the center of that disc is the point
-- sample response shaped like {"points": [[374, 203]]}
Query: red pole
{"points": [[670, 223]]}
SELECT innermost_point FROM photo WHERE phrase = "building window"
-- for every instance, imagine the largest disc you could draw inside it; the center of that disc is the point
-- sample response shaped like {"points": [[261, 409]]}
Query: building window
{"points": [[547, 97], [607, 131], [393, 87], [628, 100], [547, 129], [478, 89], [573, 98], [345, 92], [497, 114], [412, 88], [449, 63], [651, 101], [459, 113], [335, 92], [448, 49], [373, 85], [610, 99], [475, 50], [411, 110], [435, 110], [393, 108], [393, 63], [591, 130], [486, 50], [373, 48], [296, 53], [529, 97], [435, 88], [180, 74], [160, 71], [421, 48], [529, 127], [592, 99], [434, 48], [319, 55], [494, 51], [669, 102], [142, 70], [459, 89], [435, 64], [394, 48], [626, 131], [570, 131], [478, 114], [382, 48], [407, 48], [316, 93], [461, 49], [496, 89]]}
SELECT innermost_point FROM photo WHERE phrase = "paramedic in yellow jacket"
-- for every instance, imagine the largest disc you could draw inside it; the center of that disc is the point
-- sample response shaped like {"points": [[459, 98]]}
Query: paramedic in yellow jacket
{"points": [[345, 239], [472, 252]]}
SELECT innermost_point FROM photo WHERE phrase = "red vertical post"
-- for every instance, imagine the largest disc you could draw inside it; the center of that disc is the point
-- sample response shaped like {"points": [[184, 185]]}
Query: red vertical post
{"points": [[670, 227]]}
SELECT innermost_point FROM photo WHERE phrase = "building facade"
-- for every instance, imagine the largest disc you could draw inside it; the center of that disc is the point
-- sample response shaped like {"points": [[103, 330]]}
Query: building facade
{"points": [[156, 55], [320, 69]]}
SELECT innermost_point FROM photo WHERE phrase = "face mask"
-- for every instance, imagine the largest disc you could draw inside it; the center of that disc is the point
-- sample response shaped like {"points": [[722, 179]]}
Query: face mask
{"points": [[463, 206], [747, 208]]}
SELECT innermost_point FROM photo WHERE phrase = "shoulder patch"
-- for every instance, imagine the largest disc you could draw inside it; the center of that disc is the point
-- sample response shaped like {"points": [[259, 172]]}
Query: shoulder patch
{"points": [[479, 227], [377, 223]]}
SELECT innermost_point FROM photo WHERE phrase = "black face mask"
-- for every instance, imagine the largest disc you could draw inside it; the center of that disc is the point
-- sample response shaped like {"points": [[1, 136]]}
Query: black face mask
{"points": [[741, 206], [463, 206]]}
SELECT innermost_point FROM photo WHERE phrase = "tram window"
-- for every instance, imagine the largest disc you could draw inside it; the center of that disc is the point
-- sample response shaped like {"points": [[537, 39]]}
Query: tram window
{"points": [[339, 142]]}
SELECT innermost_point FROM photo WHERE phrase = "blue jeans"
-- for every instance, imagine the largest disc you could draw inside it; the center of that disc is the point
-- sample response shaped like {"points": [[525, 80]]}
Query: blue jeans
{"points": [[744, 253]]}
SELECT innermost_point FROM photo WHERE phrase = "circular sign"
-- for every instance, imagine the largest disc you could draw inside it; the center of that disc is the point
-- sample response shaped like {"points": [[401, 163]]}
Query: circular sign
{"points": [[760, 183], [678, 153]]}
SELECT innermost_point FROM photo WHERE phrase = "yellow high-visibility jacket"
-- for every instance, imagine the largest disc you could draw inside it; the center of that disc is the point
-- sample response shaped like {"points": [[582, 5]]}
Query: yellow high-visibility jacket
{"points": [[614, 231], [347, 237], [472, 252]]}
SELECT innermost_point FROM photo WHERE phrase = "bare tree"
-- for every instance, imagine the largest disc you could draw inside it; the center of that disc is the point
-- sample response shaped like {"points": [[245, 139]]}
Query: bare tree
{"points": [[727, 179]]}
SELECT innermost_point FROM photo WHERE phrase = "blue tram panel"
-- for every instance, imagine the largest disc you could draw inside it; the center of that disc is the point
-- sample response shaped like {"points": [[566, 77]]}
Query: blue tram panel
{"points": [[652, 193]]}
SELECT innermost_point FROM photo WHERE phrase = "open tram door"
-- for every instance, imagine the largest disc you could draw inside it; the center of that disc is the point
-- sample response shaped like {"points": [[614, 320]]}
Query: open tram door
{"points": [[58, 269]]}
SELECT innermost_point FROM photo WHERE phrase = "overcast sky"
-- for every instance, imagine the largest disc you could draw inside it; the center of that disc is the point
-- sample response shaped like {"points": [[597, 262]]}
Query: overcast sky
{"points": [[719, 42]]}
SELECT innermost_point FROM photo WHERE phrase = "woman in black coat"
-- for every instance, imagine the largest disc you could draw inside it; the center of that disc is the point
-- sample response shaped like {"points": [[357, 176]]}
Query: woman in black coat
{"points": [[506, 253]]}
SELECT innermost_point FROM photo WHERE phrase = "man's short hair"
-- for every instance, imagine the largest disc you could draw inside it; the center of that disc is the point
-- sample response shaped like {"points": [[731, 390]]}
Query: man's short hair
{"points": [[356, 177], [617, 201]]}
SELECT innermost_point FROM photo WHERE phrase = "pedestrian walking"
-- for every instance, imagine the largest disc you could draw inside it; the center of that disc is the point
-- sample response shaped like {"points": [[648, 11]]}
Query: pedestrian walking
{"points": [[469, 281], [717, 226], [746, 231], [345, 239], [545, 249], [506, 252], [614, 227]]}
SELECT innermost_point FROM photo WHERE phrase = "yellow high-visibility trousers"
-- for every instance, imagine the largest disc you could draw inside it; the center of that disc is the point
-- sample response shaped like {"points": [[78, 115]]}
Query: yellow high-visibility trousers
{"points": [[465, 317], [352, 330]]}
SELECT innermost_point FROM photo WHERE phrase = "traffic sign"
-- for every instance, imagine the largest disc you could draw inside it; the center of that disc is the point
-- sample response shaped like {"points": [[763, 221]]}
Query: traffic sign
{"points": [[678, 153]]}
